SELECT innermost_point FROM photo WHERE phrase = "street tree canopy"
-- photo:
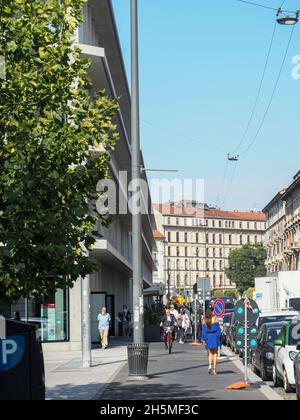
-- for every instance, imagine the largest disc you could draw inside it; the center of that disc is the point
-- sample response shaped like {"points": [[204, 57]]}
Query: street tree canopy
{"points": [[246, 263], [48, 126]]}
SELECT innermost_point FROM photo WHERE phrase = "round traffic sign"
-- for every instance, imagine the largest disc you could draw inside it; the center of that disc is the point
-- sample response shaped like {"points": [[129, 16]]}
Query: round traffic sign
{"points": [[219, 307]]}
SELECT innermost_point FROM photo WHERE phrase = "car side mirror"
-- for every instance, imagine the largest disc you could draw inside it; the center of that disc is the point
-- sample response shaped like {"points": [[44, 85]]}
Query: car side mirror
{"points": [[298, 347], [278, 343]]}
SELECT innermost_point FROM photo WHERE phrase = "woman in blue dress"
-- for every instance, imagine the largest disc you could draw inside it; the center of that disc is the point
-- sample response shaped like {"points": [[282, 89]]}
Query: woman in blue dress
{"points": [[211, 336]]}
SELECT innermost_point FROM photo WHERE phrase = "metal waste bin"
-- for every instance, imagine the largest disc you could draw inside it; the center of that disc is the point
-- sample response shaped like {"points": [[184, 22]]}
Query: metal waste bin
{"points": [[22, 375], [138, 359]]}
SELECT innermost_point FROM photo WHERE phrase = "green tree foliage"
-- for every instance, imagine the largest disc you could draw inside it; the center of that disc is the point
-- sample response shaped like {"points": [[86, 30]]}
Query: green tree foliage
{"points": [[245, 264], [48, 126]]}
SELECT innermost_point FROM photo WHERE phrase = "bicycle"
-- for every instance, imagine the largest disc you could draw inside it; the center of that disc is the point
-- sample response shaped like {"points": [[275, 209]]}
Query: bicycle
{"points": [[169, 337]]}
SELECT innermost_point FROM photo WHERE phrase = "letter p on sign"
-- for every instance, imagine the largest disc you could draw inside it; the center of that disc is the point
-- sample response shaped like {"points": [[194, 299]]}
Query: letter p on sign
{"points": [[8, 347]]}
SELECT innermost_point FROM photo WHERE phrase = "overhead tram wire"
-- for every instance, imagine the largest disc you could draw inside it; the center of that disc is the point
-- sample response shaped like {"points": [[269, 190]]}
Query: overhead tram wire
{"points": [[230, 184], [264, 6], [259, 90], [222, 184], [272, 96]]}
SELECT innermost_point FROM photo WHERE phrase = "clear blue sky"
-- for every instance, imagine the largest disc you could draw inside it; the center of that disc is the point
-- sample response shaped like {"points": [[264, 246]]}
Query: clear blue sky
{"points": [[200, 66]]}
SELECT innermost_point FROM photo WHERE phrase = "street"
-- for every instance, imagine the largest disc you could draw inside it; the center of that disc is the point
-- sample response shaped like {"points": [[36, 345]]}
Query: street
{"points": [[181, 375]]}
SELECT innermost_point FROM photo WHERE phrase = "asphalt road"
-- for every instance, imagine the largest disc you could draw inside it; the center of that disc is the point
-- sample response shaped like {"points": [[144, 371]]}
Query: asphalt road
{"points": [[181, 375]]}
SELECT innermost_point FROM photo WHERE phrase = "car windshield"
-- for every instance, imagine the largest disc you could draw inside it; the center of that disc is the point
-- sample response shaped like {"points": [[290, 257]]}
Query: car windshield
{"points": [[273, 334], [275, 318], [294, 335], [295, 304]]}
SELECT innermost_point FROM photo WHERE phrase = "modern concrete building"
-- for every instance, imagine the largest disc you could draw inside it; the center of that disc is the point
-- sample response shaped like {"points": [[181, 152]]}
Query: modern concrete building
{"points": [[195, 241], [59, 316]]}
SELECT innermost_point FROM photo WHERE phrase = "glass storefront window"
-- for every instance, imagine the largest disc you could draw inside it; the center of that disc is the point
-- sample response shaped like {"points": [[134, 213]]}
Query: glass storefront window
{"points": [[50, 314]]}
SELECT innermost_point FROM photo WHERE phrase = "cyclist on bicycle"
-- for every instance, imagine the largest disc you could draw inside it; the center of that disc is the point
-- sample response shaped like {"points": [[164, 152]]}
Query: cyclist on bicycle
{"points": [[168, 320]]}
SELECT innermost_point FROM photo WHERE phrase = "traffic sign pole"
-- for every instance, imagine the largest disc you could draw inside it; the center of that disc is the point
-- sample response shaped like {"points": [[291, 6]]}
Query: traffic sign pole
{"points": [[195, 309], [246, 343]]}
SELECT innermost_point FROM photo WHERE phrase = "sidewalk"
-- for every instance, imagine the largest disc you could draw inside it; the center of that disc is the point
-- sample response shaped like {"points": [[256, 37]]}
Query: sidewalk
{"points": [[67, 380], [183, 375]]}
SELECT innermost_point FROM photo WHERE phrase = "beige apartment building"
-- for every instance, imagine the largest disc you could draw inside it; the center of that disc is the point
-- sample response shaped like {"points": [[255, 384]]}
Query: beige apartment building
{"points": [[283, 229], [195, 241]]}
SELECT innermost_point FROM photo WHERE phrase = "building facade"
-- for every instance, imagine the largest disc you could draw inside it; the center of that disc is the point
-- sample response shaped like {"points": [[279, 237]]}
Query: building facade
{"points": [[283, 229], [59, 316], [197, 242]]}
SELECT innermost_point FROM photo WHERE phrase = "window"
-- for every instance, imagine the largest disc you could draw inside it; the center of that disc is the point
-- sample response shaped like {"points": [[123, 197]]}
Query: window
{"points": [[233, 225], [226, 224], [197, 238], [169, 236], [185, 222], [197, 265], [178, 251], [220, 224], [248, 239], [207, 265], [207, 252], [214, 281], [185, 237], [214, 238], [214, 252], [221, 265], [220, 239], [221, 252], [186, 264], [169, 264], [230, 239], [248, 225], [186, 251], [177, 221], [241, 225], [255, 239], [221, 280], [198, 252], [214, 264], [177, 237], [255, 225], [177, 264], [207, 238], [169, 221], [213, 223], [241, 239], [50, 314]]}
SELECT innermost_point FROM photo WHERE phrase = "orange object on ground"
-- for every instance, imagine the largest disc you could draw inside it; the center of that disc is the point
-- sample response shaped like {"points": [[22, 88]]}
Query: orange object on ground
{"points": [[195, 344], [238, 385]]}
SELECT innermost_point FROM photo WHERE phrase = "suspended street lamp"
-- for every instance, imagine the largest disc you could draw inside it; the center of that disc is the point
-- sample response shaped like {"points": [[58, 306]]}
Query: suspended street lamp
{"points": [[288, 20]]}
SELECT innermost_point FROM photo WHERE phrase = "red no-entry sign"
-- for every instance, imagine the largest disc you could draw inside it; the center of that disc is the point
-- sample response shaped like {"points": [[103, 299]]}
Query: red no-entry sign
{"points": [[219, 307]]}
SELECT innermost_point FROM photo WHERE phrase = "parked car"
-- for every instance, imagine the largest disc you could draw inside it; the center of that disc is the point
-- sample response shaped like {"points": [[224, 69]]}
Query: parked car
{"points": [[262, 358], [232, 332], [279, 316], [226, 327], [285, 353], [297, 372]]}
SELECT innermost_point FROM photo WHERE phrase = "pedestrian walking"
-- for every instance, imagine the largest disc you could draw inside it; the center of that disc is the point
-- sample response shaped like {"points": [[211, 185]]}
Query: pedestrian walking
{"points": [[104, 320], [185, 325], [211, 336], [126, 321]]}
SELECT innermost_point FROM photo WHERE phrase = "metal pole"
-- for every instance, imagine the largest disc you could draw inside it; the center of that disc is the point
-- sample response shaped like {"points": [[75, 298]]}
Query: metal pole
{"points": [[138, 336], [246, 343], [86, 322], [195, 318]]}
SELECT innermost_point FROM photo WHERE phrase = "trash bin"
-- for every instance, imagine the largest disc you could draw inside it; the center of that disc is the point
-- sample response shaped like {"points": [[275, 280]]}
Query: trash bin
{"points": [[138, 359], [22, 375]]}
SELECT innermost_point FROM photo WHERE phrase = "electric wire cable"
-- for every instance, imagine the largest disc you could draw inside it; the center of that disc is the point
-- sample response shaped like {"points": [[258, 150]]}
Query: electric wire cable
{"points": [[230, 184], [222, 184], [264, 6], [259, 89], [272, 96]]}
